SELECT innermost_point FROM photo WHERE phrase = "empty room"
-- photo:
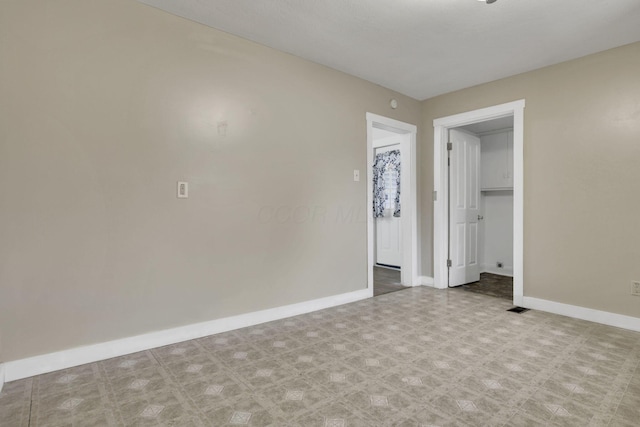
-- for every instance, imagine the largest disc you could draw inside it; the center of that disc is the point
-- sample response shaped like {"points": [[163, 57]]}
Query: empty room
{"points": [[323, 213]]}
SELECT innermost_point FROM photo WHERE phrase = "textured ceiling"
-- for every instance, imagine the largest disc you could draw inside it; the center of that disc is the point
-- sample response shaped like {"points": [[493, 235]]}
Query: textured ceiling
{"points": [[423, 48]]}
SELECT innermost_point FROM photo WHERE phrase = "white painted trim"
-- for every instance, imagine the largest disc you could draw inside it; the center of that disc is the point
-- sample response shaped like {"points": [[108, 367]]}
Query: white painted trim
{"points": [[577, 312], [42, 364], [440, 220], [518, 202], [1, 376], [426, 281], [409, 217]]}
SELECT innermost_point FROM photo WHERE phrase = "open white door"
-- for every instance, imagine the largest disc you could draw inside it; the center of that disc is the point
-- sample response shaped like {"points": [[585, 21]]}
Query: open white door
{"points": [[464, 207], [388, 227]]}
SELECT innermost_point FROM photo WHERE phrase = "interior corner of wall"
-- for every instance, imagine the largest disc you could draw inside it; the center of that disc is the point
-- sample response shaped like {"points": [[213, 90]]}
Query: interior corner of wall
{"points": [[426, 281]]}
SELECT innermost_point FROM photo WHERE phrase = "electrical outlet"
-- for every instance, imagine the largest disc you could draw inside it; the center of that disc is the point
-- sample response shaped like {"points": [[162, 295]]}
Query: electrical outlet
{"points": [[635, 288]]}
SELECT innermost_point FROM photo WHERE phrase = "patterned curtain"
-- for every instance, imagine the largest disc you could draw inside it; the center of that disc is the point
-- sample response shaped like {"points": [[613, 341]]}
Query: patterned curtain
{"points": [[386, 176]]}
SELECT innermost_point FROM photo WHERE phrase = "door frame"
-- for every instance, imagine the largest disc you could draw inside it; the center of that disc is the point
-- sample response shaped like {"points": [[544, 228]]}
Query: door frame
{"points": [[409, 197], [440, 182]]}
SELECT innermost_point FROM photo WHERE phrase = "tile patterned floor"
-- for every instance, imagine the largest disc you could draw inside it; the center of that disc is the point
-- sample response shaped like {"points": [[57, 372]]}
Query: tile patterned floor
{"points": [[420, 357]]}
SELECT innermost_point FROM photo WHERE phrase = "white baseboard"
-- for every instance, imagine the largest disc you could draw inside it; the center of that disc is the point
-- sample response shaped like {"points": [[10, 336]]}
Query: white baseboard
{"points": [[1, 376], [426, 281], [603, 317], [42, 364], [506, 271]]}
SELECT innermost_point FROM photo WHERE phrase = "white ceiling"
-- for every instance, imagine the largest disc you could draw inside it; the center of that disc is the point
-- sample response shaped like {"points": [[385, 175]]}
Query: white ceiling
{"points": [[423, 48]]}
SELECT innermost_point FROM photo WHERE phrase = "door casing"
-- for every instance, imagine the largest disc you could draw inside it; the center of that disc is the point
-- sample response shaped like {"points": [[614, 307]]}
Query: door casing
{"points": [[408, 199], [440, 183]]}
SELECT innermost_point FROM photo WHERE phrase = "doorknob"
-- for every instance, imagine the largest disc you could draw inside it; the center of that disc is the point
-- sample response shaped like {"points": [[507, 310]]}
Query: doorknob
{"points": [[480, 217]]}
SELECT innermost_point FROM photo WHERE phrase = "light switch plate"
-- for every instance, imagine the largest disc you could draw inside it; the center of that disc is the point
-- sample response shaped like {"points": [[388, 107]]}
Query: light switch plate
{"points": [[635, 288], [356, 175], [183, 190]]}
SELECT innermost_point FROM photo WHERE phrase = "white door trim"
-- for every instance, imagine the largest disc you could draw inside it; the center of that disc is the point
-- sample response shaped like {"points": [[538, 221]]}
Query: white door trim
{"points": [[440, 220], [409, 196]]}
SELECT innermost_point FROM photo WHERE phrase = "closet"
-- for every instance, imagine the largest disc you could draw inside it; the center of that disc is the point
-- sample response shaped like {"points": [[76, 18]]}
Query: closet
{"points": [[496, 202], [496, 150]]}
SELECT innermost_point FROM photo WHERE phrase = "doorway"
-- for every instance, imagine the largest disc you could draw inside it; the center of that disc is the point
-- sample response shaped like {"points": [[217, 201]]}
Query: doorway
{"points": [[481, 222], [392, 246], [389, 150], [466, 227]]}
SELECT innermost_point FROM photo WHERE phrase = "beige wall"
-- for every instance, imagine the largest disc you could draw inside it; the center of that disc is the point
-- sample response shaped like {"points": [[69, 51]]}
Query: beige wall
{"points": [[581, 175], [104, 105]]}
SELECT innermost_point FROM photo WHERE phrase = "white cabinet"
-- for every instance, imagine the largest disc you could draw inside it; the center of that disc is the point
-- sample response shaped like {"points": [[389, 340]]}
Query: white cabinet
{"points": [[496, 167]]}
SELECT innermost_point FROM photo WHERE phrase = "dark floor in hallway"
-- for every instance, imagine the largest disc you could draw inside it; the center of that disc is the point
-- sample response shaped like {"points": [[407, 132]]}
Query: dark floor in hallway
{"points": [[493, 285], [386, 280]]}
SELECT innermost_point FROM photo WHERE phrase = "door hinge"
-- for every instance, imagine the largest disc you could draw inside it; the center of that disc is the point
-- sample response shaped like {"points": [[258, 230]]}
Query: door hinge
{"points": [[449, 146], [449, 263], [435, 195]]}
